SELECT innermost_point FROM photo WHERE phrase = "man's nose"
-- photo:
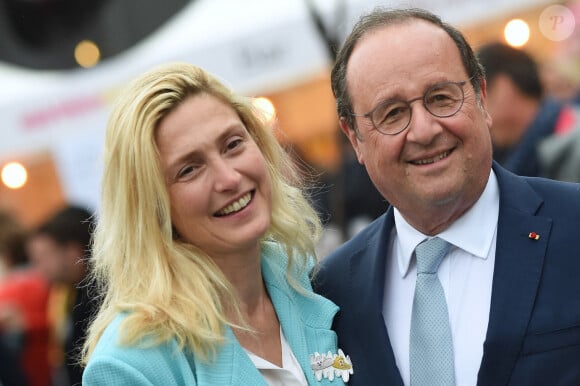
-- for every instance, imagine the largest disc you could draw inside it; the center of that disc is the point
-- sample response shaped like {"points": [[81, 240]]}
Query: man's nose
{"points": [[423, 126]]}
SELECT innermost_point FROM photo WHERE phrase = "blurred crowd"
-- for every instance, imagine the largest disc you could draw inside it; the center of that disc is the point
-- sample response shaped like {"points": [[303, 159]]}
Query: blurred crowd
{"points": [[44, 301], [535, 112]]}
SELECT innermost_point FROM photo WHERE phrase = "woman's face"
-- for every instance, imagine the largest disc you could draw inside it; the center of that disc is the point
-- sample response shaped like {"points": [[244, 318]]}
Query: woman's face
{"points": [[216, 176]]}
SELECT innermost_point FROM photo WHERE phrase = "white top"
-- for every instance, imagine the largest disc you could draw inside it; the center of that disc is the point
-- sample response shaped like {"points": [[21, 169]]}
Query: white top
{"points": [[290, 374], [466, 275]]}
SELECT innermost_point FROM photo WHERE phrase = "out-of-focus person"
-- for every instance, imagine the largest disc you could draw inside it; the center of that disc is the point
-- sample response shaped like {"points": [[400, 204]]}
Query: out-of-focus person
{"points": [[524, 116], [203, 246], [12, 372], [559, 82], [471, 276], [60, 250], [24, 327], [559, 153]]}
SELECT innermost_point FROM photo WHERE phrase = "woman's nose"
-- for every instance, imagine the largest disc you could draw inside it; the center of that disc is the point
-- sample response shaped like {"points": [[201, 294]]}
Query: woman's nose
{"points": [[226, 177]]}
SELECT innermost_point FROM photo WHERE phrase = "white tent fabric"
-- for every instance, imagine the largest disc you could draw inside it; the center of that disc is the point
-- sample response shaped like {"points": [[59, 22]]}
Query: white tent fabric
{"points": [[255, 46]]}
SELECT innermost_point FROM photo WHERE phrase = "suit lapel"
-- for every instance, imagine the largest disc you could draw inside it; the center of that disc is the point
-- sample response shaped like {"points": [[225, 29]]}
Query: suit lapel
{"points": [[518, 269], [367, 286]]}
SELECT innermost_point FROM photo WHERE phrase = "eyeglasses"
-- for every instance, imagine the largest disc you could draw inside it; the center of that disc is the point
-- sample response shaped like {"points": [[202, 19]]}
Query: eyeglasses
{"points": [[441, 100]]}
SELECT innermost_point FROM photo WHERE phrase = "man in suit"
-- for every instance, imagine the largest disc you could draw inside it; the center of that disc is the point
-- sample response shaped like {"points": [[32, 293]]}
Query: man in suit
{"points": [[411, 98]]}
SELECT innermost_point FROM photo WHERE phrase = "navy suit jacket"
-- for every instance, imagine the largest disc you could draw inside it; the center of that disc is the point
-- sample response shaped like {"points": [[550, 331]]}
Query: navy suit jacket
{"points": [[533, 334]]}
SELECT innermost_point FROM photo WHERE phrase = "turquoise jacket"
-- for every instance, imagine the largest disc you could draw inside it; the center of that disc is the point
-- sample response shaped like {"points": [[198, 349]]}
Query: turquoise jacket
{"points": [[305, 321]]}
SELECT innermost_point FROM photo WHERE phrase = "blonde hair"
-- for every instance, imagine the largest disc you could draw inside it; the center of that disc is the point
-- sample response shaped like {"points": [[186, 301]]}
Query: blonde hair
{"points": [[168, 288]]}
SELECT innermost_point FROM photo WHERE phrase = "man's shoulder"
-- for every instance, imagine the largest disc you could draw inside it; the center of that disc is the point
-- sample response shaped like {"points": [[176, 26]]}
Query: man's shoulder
{"points": [[561, 201], [356, 245], [544, 197], [560, 192], [546, 189], [336, 269]]}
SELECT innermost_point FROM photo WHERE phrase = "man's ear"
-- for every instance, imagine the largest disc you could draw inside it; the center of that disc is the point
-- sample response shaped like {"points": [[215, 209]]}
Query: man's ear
{"points": [[353, 136], [483, 101]]}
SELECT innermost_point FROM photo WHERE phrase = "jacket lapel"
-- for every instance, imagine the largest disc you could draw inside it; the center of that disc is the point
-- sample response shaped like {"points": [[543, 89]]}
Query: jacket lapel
{"points": [[518, 268], [293, 328], [367, 286], [232, 366], [305, 318]]}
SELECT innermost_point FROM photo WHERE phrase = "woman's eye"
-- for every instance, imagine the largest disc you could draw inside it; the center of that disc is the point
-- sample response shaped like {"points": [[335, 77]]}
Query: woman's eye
{"points": [[234, 143], [186, 171]]}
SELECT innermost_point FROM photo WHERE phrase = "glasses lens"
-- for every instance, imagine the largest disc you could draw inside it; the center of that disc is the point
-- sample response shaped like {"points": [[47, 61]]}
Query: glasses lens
{"points": [[444, 100], [391, 117]]}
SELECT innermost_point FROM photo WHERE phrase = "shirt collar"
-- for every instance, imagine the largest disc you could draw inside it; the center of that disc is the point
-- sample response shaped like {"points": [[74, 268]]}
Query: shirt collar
{"points": [[473, 232]]}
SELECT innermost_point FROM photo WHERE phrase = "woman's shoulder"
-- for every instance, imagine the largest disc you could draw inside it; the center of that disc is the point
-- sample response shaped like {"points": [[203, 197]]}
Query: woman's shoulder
{"points": [[276, 257], [116, 363]]}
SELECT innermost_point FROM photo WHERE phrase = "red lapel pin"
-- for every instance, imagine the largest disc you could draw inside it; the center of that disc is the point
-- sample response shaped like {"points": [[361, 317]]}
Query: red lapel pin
{"points": [[534, 236]]}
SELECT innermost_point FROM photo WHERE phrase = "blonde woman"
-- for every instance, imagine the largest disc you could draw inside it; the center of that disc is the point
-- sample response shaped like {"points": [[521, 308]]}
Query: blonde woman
{"points": [[203, 246]]}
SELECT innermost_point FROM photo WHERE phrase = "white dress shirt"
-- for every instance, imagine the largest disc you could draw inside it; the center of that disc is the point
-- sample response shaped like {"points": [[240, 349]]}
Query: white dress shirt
{"points": [[466, 275]]}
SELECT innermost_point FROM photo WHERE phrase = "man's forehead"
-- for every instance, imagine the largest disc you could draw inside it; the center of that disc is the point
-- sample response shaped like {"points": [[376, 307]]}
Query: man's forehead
{"points": [[400, 35], [389, 56]]}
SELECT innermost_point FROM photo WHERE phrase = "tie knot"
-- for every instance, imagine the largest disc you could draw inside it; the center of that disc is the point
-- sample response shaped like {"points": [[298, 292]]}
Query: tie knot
{"points": [[430, 253]]}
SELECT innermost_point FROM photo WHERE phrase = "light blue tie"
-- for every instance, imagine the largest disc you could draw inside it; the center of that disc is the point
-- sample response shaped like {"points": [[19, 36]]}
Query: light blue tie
{"points": [[431, 344]]}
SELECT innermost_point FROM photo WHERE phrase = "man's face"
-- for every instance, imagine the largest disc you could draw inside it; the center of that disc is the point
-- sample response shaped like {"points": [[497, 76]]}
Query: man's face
{"points": [[59, 263], [435, 169], [48, 257], [508, 127]]}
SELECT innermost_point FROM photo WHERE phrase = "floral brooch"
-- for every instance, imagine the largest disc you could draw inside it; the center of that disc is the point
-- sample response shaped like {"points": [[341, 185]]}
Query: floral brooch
{"points": [[331, 365]]}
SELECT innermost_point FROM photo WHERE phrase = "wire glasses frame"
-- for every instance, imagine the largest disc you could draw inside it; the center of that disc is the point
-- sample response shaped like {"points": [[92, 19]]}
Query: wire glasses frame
{"points": [[393, 116]]}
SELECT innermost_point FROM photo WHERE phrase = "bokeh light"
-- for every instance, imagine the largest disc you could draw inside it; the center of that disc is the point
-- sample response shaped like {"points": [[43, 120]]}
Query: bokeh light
{"points": [[87, 53], [516, 33], [266, 106], [14, 175]]}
